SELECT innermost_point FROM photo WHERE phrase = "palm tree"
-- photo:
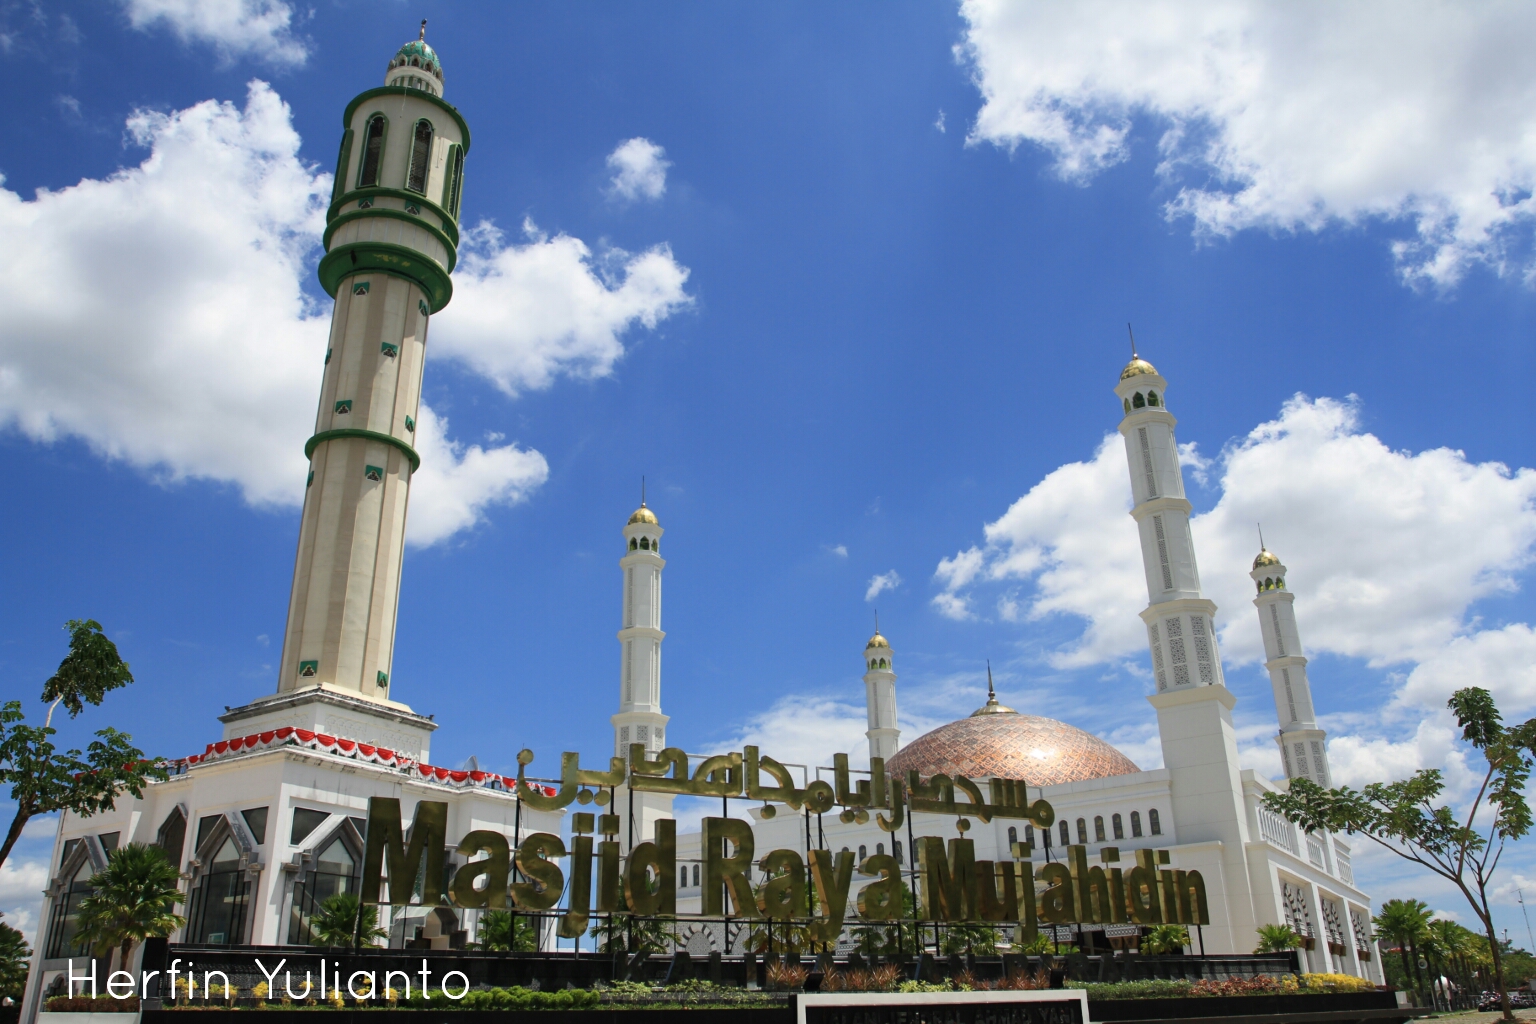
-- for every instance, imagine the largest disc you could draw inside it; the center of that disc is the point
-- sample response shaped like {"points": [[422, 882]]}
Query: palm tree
{"points": [[963, 937], [504, 931], [1405, 922], [1277, 938], [340, 917], [1165, 938], [134, 899]]}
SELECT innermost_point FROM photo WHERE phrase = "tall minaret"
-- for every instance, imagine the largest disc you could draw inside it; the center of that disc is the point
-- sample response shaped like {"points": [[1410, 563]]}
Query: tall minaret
{"points": [[640, 719], [1303, 746], [390, 242], [1194, 706], [880, 697], [1179, 620]]}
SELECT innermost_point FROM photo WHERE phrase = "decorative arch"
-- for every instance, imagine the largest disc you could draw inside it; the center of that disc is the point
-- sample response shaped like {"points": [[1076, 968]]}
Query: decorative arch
{"points": [[645, 543], [1152, 399], [421, 156], [224, 867], [69, 887], [374, 132], [332, 863], [634, 545], [1138, 401], [172, 835], [1127, 406]]}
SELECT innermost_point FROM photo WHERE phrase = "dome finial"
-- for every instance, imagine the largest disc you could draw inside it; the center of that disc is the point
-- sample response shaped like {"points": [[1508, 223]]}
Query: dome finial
{"points": [[1127, 323], [422, 37], [992, 707], [1265, 556], [991, 693]]}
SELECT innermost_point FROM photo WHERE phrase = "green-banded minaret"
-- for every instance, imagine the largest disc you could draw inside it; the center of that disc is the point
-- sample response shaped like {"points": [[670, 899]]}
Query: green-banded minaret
{"points": [[391, 240]]}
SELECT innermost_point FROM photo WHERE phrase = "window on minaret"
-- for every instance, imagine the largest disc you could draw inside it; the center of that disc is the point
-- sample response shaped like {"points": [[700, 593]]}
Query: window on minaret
{"points": [[1138, 401], [1127, 406], [421, 156], [645, 543], [1136, 824], [373, 151], [1118, 825], [634, 545], [1152, 399]]}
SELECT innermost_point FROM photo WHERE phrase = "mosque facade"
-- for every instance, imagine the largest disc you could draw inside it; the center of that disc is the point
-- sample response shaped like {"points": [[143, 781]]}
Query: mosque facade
{"points": [[268, 821]]}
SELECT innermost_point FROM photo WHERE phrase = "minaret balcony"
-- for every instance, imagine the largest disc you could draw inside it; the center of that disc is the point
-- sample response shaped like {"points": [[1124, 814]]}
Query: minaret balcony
{"points": [[1162, 504]]}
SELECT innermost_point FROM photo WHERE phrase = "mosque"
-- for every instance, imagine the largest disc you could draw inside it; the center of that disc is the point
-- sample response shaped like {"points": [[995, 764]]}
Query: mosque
{"points": [[267, 822]]}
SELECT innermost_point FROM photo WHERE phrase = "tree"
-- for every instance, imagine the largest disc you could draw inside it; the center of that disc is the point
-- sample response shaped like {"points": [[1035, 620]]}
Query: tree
{"points": [[1164, 938], [1405, 923], [504, 931], [14, 958], [134, 899], [41, 779], [1277, 938], [970, 937], [630, 933], [338, 922], [1403, 817]]}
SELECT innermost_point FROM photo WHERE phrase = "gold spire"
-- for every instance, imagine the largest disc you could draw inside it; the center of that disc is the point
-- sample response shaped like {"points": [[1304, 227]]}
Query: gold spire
{"points": [[992, 707]]}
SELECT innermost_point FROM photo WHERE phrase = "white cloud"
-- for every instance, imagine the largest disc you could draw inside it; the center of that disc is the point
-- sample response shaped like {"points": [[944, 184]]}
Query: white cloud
{"points": [[235, 28], [524, 314], [805, 729], [840, 550], [1285, 117], [881, 583], [639, 170], [22, 880], [1339, 507], [159, 315], [1500, 660], [456, 484]]}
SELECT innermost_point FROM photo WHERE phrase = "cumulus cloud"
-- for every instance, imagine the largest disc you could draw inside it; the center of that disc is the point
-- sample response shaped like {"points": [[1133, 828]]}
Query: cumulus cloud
{"points": [[159, 315], [881, 583], [639, 170], [525, 314], [1288, 117], [262, 29], [1339, 507]]}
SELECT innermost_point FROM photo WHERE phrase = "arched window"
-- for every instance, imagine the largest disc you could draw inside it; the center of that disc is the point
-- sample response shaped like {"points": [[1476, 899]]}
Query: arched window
{"points": [[66, 913], [634, 545], [1152, 399], [896, 849], [1136, 824], [1118, 825], [1013, 836], [879, 849], [656, 544], [373, 151], [336, 870], [1066, 832], [1155, 822], [695, 874], [645, 543], [343, 158], [1029, 835], [421, 157], [1138, 402], [1098, 828], [863, 854], [453, 181], [1082, 831], [217, 914], [1127, 406], [172, 836], [683, 883]]}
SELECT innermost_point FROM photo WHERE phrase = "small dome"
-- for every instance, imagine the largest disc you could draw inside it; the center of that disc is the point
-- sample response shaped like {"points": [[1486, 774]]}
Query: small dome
{"points": [[1041, 751], [877, 641], [1266, 557], [1136, 367], [643, 515], [426, 57]]}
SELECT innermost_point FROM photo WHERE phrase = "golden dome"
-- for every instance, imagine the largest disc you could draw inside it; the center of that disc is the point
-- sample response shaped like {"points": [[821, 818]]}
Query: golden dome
{"points": [[1136, 367], [643, 515], [1008, 745], [1266, 557], [877, 641]]}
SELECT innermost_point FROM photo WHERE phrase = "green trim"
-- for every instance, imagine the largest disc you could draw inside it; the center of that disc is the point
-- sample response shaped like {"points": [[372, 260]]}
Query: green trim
{"points": [[367, 435], [362, 161], [351, 215], [308, 668], [400, 90], [450, 224], [386, 258], [339, 184]]}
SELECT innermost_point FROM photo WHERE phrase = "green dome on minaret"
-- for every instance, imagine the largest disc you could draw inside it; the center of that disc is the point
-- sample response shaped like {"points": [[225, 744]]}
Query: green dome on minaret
{"points": [[417, 53]]}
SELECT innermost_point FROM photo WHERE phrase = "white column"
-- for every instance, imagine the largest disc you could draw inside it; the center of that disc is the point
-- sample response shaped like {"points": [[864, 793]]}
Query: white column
{"points": [[1180, 622], [639, 719], [1303, 746], [880, 698]]}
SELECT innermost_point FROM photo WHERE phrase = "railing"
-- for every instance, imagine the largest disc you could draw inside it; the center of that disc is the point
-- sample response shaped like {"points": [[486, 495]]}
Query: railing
{"points": [[1277, 831], [1317, 853]]}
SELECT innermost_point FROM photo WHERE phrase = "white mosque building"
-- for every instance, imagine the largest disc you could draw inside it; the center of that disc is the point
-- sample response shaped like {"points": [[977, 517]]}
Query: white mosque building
{"points": [[266, 823]]}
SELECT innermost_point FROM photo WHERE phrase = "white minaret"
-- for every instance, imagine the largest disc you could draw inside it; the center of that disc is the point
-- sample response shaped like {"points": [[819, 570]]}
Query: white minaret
{"points": [[1179, 620], [1303, 746], [880, 697], [1194, 706], [640, 719], [390, 244]]}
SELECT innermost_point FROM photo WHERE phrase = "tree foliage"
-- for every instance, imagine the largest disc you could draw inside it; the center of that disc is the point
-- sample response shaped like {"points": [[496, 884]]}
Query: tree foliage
{"points": [[134, 899], [507, 932], [42, 779], [1277, 938], [338, 921], [1165, 938], [1407, 817], [14, 958]]}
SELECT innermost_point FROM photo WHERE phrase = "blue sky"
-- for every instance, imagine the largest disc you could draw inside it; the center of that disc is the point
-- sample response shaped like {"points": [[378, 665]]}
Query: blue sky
{"points": [[858, 310]]}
